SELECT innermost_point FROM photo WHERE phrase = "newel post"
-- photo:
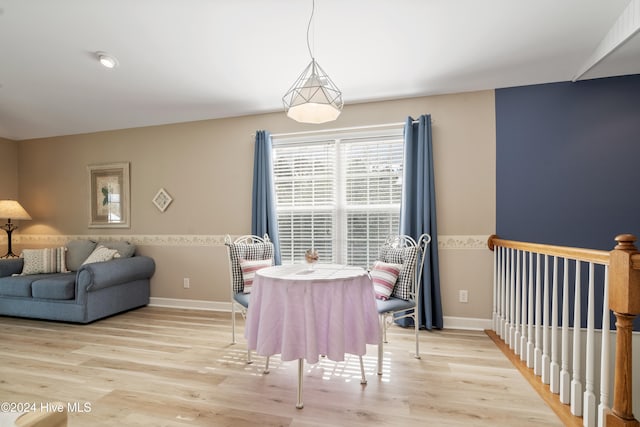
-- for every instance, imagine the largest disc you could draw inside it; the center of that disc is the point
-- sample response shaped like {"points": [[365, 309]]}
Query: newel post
{"points": [[624, 301]]}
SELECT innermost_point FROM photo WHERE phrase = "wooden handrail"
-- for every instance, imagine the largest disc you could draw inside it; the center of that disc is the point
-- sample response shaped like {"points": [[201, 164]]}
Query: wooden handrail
{"points": [[587, 255]]}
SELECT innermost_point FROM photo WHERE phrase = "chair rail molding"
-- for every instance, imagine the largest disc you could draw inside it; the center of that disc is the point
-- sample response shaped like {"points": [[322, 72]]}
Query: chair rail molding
{"points": [[450, 241], [138, 239], [444, 241]]}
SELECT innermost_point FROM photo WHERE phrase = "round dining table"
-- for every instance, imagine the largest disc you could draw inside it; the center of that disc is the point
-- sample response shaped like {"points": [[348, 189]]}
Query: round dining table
{"points": [[303, 312]]}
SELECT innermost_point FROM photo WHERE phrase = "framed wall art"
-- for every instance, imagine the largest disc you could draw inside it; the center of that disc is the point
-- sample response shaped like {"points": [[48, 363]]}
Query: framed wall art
{"points": [[162, 199], [109, 195]]}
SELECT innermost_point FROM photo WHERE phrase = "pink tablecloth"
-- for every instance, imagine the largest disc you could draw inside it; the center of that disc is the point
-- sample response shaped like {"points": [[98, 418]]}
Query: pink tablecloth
{"points": [[302, 315]]}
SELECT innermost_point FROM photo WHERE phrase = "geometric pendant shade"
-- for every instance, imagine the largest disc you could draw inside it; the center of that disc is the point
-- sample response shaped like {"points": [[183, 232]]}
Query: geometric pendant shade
{"points": [[313, 98]]}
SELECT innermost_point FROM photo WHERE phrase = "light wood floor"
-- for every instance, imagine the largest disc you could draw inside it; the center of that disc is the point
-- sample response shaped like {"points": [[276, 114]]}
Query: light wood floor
{"points": [[168, 367]]}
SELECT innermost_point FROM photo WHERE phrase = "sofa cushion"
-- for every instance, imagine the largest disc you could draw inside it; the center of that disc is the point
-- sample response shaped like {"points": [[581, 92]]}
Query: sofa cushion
{"points": [[47, 260], [77, 252], [16, 286], [11, 266], [57, 287], [125, 249]]}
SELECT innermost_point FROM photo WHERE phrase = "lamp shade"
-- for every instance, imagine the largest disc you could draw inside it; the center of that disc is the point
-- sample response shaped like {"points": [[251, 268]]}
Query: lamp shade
{"points": [[11, 209], [313, 98]]}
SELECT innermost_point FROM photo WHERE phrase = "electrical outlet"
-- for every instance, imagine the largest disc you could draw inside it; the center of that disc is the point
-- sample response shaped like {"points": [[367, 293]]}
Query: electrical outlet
{"points": [[186, 283], [463, 295]]}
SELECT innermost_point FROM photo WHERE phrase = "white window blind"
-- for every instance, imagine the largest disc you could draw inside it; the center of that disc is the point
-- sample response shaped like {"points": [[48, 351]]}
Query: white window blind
{"points": [[339, 195]]}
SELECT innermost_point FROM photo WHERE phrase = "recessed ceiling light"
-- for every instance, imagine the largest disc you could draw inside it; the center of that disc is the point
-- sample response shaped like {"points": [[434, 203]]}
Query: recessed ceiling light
{"points": [[107, 60]]}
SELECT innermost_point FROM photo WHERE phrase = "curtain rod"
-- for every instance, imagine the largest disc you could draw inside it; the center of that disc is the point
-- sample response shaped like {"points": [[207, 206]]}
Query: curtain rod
{"points": [[312, 132]]}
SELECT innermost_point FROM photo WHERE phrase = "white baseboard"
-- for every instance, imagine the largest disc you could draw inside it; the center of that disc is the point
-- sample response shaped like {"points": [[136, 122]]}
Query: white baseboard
{"points": [[465, 323], [190, 304]]}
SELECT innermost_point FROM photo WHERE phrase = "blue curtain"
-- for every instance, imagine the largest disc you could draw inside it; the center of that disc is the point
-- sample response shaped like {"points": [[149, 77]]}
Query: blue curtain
{"points": [[418, 213], [263, 210]]}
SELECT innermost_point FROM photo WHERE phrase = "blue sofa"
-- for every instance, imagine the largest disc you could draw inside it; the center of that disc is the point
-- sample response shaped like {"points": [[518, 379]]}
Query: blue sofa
{"points": [[92, 292]]}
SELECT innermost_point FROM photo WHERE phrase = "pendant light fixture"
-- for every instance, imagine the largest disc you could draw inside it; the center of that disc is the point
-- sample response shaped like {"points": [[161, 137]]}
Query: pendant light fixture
{"points": [[313, 98]]}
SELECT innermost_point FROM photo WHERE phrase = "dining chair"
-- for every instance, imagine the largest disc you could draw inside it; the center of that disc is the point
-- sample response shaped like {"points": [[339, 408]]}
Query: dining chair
{"points": [[247, 254], [396, 277]]}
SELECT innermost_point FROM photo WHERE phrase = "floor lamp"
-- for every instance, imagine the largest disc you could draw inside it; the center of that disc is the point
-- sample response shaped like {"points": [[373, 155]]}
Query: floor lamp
{"points": [[11, 209]]}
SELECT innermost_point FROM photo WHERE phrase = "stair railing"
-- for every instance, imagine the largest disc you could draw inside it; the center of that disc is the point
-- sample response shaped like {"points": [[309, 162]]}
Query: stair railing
{"points": [[534, 288]]}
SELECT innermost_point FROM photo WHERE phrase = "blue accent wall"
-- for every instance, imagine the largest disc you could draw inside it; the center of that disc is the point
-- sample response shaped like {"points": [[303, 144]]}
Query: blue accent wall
{"points": [[568, 165], [568, 162]]}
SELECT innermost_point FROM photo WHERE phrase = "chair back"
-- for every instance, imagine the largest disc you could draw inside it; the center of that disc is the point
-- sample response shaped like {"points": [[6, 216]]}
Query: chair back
{"points": [[247, 247], [403, 249]]}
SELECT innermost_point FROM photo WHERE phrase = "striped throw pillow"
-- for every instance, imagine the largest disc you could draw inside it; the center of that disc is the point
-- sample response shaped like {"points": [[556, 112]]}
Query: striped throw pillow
{"points": [[249, 268], [47, 260], [384, 276]]}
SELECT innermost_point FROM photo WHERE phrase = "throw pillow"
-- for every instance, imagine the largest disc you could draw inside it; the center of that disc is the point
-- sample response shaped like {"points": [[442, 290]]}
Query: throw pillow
{"points": [[101, 254], [125, 249], [384, 276], [249, 268], [407, 257], [47, 260], [78, 251], [251, 251]]}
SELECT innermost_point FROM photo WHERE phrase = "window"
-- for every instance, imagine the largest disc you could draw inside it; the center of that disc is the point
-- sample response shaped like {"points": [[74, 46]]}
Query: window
{"points": [[339, 194]]}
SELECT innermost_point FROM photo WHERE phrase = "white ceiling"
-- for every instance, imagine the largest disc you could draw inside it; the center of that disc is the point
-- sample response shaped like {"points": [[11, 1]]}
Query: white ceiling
{"points": [[184, 60]]}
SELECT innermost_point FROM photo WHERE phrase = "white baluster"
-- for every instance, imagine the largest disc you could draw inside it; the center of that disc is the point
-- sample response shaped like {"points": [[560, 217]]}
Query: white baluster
{"points": [[537, 366], [501, 298], [603, 407], [507, 298], [507, 266], [530, 316], [554, 367], [523, 337], [589, 415], [496, 292], [512, 297], [576, 381], [546, 360], [516, 333], [565, 377]]}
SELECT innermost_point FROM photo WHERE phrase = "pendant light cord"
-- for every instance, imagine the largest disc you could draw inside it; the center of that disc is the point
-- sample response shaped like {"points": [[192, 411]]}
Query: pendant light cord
{"points": [[313, 8]]}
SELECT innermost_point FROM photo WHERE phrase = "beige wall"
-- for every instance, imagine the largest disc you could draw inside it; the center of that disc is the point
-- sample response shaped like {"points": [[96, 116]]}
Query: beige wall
{"points": [[8, 180], [207, 166], [8, 169]]}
